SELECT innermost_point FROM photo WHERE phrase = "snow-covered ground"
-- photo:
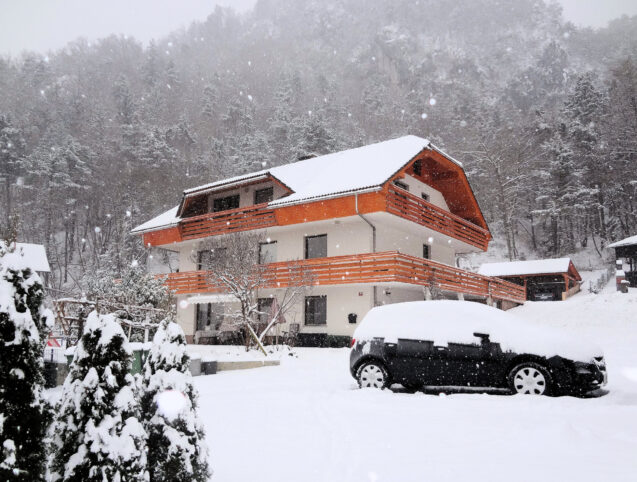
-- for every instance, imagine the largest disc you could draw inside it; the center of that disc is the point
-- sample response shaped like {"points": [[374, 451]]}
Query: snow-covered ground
{"points": [[307, 421]]}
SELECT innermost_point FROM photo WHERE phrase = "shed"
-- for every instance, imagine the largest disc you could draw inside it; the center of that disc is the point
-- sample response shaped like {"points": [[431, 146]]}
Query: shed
{"points": [[626, 251], [544, 279]]}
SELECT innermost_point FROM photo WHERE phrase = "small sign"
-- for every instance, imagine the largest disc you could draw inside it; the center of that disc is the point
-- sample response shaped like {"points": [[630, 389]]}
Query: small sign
{"points": [[360, 293]]}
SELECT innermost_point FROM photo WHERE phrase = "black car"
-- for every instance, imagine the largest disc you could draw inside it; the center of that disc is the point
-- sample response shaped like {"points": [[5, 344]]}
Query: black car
{"points": [[467, 344]]}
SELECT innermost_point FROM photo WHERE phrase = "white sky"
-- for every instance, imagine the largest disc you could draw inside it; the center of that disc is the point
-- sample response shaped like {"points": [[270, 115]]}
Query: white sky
{"points": [[43, 25]]}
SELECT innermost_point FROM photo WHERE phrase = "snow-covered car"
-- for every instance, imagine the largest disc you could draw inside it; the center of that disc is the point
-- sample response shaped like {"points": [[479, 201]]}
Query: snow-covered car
{"points": [[467, 344]]}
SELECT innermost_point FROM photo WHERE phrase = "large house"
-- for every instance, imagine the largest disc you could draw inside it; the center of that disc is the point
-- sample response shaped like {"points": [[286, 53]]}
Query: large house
{"points": [[378, 224]]}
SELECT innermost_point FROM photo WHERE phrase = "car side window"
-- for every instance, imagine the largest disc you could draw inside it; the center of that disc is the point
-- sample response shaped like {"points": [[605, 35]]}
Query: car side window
{"points": [[414, 348], [463, 350]]}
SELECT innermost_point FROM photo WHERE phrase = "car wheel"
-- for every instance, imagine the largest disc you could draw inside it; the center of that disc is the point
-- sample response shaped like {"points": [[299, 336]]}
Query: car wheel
{"points": [[372, 375], [530, 379]]}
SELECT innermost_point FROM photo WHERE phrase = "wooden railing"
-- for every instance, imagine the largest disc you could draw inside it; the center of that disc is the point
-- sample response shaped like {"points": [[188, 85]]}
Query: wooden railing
{"points": [[406, 205], [223, 222], [373, 268]]}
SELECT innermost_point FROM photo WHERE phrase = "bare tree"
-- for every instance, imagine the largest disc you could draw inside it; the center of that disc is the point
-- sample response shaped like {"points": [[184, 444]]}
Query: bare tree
{"points": [[234, 267]]}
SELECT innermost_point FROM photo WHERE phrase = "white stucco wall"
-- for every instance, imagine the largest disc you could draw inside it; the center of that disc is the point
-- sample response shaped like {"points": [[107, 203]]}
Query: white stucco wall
{"points": [[417, 188]]}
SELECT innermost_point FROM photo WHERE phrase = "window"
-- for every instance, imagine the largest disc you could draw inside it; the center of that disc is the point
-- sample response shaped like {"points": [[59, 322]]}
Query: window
{"points": [[225, 203], [209, 316], [418, 168], [196, 207], [267, 252], [414, 348], [316, 310], [205, 259], [264, 305], [425, 196], [425, 251], [316, 246], [264, 195], [401, 185]]}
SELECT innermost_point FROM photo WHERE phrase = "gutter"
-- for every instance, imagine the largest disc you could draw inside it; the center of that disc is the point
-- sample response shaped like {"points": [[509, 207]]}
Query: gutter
{"points": [[371, 225]]}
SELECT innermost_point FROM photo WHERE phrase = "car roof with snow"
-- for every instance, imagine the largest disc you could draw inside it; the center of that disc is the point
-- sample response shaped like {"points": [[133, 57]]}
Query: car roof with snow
{"points": [[447, 321]]}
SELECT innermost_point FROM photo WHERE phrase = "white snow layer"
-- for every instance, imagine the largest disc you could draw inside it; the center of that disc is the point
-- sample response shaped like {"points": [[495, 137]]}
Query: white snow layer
{"points": [[624, 242], [448, 321], [35, 254], [353, 170], [538, 266]]}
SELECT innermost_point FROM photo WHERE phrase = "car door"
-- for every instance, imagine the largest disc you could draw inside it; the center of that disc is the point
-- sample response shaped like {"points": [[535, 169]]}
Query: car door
{"points": [[475, 364], [411, 362]]}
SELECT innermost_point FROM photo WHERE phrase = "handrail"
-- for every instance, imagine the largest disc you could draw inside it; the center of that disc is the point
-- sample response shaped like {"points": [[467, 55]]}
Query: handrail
{"points": [[367, 268]]}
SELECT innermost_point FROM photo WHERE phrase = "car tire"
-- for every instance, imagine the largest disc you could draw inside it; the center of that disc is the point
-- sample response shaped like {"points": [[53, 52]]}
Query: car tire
{"points": [[372, 374], [530, 378]]}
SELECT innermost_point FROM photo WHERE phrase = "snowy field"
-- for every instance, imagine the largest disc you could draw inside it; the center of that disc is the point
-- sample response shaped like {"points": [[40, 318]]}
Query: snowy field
{"points": [[306, 420]]}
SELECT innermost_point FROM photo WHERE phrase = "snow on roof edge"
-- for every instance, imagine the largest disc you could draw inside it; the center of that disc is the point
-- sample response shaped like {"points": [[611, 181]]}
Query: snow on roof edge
{"points": [[166, 219], [535, 266], [629, 241]]}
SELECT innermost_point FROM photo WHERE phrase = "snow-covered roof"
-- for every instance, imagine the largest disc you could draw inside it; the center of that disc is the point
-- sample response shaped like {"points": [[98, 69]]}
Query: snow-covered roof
{"points": [[624, 242], [537, 266], [164, 220], [354, 170], [35, 254]]}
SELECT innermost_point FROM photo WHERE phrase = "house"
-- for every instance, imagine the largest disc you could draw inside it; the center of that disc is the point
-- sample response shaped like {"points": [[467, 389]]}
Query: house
{"points": [[543, 279], [626, 253], [378, 224]]}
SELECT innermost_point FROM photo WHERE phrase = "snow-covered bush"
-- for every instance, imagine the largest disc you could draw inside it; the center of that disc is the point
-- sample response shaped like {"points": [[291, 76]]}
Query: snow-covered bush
{"points": [[176, 446], [135, 287], [24, 414], [97, 435]]}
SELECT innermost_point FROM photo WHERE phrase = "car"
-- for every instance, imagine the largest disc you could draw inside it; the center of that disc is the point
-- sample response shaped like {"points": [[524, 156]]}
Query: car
{"points": [[468, 344], [544, 296]]}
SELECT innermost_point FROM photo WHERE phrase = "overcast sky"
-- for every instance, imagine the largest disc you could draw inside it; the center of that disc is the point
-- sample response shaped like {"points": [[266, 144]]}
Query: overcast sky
{"points": [[43, 25]]}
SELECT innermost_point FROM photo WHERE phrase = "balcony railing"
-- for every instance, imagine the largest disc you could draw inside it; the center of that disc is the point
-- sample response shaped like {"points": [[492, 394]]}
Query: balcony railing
{"points": [[372, 268], [413, 208], [223, 222]]}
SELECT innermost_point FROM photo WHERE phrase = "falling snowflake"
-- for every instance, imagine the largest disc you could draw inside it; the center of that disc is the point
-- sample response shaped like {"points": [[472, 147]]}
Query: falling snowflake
{"points": [[128, 214], [309, 112], [183, 304], [430, 239], [134, 263], [250, 98], [249, 63], [463, 123], [98, 229], [423, 115], [432, 101], [170, 44]]}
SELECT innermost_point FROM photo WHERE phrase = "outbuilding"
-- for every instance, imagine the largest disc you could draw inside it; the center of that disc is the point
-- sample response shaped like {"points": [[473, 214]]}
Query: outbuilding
{"points": [[544, 279], [626, 252]]}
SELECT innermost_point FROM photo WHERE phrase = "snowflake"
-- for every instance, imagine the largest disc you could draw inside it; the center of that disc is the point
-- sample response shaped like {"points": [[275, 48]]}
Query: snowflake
{"points": [[250, 98], [98, 229], [423, 115], [134, 263], [432, 101]]}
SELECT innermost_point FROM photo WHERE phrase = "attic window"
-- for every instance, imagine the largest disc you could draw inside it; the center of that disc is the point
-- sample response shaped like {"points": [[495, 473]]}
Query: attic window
{"points": [[264, 195], [401, 185], [417, 168]]}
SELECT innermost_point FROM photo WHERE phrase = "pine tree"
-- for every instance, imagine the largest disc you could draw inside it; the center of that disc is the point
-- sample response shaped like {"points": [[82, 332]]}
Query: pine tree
{"points": [[24, 414], [97, 435], [176, 446]]}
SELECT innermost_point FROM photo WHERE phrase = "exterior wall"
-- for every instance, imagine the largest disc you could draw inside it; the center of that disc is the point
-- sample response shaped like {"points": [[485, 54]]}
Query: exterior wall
{"points": [[408, 243], [417, 188]]}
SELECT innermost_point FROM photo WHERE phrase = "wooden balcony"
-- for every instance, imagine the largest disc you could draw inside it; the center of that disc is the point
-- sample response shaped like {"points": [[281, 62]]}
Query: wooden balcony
{"points": [[234, 220], [407, 206], [372, 268]]}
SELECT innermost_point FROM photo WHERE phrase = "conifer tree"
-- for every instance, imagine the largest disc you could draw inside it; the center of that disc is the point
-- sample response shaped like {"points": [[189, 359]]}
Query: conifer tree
{"points": [[176, 446], [97, 434], [24, 414]]}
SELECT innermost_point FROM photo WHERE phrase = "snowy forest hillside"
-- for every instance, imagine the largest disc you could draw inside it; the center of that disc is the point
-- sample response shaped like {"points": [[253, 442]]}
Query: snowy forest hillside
{"points": [[99, 137]]}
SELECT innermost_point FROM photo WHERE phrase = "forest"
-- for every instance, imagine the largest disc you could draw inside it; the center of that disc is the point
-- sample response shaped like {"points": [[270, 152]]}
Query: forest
{"points": [[98, 137]]}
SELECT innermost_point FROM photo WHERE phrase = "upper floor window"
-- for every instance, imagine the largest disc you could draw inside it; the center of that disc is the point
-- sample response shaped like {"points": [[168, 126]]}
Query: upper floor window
{"points": [[225, 203], [425, 196], [208, 258], [401, 185], [264, 195], [316, 246], [267, 252], [426, 251], [418, 168]]}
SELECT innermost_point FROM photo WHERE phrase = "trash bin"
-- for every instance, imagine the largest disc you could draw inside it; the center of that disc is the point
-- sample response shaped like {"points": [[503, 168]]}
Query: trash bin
{"points": [[623, 286]]}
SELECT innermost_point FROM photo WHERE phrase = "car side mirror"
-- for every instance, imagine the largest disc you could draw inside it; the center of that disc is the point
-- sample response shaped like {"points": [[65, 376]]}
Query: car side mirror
{"points": [[484, 337]]}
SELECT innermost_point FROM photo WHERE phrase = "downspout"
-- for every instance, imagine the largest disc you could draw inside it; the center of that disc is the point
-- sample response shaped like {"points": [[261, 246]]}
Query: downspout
{"points": [[375, 297]]}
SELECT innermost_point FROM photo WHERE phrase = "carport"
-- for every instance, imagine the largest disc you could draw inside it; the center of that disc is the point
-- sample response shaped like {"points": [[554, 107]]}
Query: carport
{"points": [[626, 251], [544, 279]]}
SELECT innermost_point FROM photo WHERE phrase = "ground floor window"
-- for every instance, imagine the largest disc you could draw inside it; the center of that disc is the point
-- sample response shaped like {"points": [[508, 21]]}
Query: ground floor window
{"points": [[316, 310], [264, 305], [209, 316]]}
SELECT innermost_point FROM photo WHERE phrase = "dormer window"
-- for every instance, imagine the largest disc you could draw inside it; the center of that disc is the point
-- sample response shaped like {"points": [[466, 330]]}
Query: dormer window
{"points": [[225, 203], [264, 195], [401, 185]]}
